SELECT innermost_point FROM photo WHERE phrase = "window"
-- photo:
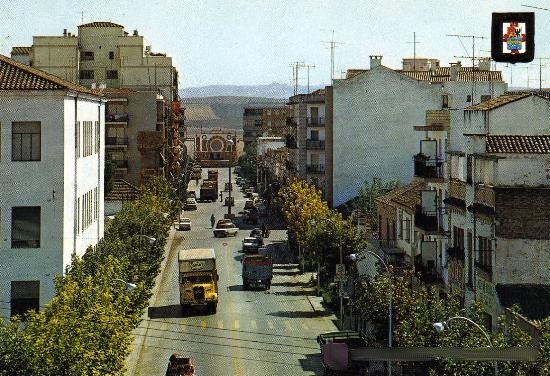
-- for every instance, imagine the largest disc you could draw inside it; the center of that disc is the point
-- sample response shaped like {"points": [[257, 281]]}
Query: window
{"points": [[97, 137], [87, 138], [25, 295], [407, 235], [77, 139], [485, 258], [25, 227], [111, 75], [469, 169], [445, 101], [25, 141], [87, 55], [111, 55], [468, 98], [86, 74], [458, 238], [485, 98]]}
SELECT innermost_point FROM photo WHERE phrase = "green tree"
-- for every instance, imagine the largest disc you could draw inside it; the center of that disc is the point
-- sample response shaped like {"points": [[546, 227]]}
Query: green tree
{"points": [[109, 177], [365, 202]]}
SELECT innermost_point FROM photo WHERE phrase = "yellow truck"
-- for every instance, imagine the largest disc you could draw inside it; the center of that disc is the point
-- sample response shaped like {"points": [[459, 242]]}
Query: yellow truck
{"points": [[198, 278]]}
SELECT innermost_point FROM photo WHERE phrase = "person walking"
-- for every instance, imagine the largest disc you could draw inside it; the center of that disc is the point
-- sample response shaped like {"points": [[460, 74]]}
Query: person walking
{"points": [[221, 196], [264, 230], [212, 220]]}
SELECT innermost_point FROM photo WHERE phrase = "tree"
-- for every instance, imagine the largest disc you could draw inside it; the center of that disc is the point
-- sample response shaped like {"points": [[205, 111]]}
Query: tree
{"points": [[110, 168], [365, 202]]}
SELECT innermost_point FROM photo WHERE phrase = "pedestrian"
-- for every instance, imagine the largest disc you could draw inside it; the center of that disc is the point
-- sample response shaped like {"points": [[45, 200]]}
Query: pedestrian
{"points": [[197, 181], [264, 230], [221, 196], [212, 220]]}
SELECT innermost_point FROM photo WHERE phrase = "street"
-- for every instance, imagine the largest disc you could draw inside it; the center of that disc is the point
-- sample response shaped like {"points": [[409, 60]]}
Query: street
{"points": [[253, 332]]}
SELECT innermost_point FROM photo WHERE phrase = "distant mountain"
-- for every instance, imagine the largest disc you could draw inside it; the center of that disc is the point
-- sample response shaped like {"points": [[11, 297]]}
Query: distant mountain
{"points": [[222, 112], [273, 90]]}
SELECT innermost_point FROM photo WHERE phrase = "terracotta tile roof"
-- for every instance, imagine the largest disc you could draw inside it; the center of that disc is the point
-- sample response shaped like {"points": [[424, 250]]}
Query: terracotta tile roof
{"points": [[407, 195], [518, 144], [501, 100], [21, 50], [443, 74], [122, 190], [350, 73], [100, 24], [18, 76]]}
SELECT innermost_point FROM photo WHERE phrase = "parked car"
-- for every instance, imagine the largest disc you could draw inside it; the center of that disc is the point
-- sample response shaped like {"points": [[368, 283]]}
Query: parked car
{"points": [[192, 194], [257, 233], [184, 224], [251, 244], [190, 204], [249, 204], [179, 365], [226, 201], [248, 192], [250, 216], [225, 229]]}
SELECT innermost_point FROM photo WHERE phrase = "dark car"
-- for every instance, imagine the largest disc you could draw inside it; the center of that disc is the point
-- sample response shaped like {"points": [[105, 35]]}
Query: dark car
{"points": [[257, 233]]}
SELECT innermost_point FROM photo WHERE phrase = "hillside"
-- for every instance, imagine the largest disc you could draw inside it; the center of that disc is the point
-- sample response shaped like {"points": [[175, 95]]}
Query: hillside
{"points": [[220, 111], [273, 90]]}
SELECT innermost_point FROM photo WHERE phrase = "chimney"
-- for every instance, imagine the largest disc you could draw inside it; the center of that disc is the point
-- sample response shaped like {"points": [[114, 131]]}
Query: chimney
{"points": [[135, 33], [93, 86], [484, 64], [375, 61], [64, 32], [454, 70]]}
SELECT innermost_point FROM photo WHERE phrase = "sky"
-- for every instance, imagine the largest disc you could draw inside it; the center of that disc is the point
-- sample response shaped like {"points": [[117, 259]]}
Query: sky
{"points": [[252, 42]]}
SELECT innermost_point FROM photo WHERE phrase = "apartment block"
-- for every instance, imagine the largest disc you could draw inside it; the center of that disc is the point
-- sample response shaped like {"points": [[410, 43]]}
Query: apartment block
{"points": [[52, 150]]}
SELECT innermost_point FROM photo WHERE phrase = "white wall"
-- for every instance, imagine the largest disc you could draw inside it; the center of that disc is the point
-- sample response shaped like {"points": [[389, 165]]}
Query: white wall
{"points": [[48, 183], [374, 115]]}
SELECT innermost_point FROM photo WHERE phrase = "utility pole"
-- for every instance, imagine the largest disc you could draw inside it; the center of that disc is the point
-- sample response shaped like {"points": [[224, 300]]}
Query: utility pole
{"points": [[333, 44], [540, 70], [474, 37], [308, 66], [414, 42]]}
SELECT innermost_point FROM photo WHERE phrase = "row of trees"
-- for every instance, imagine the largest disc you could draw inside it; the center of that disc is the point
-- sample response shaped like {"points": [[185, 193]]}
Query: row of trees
{"points": [[320, 232], [86, 328]]}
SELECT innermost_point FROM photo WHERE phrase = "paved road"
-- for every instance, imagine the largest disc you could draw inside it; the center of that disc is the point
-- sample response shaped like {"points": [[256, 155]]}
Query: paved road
{"points": [[253, 332]]}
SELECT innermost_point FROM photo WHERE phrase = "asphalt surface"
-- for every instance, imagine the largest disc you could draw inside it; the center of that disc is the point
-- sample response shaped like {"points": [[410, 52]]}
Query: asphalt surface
{"points": [[253, 332]]}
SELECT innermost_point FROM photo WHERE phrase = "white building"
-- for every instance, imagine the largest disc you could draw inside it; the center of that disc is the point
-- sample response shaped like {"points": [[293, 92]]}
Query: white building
{"points": [[51, 191], [374, 111], [499, 201]]}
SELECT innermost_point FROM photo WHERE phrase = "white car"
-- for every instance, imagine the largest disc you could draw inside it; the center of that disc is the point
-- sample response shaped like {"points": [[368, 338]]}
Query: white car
{"points": [[225, 229], [184, 224], [190, 204]]}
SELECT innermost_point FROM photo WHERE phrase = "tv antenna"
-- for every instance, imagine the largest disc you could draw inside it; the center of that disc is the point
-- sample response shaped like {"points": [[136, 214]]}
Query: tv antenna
{"points": [[333, 44], [474, 37], [414, 42], [295, 70], [309, 66], [530, 6]]}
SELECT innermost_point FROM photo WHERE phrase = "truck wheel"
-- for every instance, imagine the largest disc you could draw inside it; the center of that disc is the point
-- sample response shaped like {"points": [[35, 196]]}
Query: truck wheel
{"points": [[245, 284], [268, 284], [212, 307]]}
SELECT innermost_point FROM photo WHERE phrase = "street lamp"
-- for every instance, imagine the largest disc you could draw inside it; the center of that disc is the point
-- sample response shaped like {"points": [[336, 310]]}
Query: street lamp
{"points": [[442, 325], [129, 285], [230, 143], [389, 304]]}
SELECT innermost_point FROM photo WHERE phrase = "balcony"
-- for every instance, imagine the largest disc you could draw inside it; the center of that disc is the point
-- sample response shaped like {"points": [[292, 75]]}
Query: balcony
{"points": [[427, 223], [429, 168], [116, 141], [318, 121], [486, 271], [116, 118], [315, 169], [456, 253], [428, 274], [290, 122], [315, 144], [291, 142]]}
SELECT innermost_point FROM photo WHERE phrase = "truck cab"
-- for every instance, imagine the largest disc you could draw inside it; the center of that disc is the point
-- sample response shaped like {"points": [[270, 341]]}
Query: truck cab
{"points": [[198, 278]]}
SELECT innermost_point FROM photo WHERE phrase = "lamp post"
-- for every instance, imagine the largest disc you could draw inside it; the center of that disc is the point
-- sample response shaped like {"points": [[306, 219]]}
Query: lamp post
{"points": [[230, 143], [441, 326], [129, 285], [389, 304]]}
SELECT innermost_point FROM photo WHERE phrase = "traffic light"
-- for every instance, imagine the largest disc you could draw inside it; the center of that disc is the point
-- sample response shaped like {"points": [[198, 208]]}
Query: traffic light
{"points": [[513, 37]]}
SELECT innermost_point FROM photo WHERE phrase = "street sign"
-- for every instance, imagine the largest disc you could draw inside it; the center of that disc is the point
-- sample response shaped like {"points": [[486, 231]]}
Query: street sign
{"points": [[340, 275]]}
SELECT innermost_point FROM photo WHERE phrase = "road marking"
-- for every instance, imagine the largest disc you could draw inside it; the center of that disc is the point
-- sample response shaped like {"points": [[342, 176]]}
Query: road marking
{"points": [[304, 326], [183, 327], [236, 324], [270, 324], [253, 324], [220, 324], [164, 326], [287, 325], [203, 324]]}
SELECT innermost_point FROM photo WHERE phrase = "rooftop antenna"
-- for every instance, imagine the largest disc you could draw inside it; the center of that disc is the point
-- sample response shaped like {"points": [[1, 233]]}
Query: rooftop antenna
{"points": [[530, 6], [474, 37], [414, 42], [295, 70], [528, 79], [308, 66], [540, 70], [333, 44]]}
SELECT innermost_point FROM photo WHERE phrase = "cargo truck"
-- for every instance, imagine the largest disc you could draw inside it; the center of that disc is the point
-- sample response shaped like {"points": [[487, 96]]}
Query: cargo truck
{"points": [[213, 175], [209, 191], [257, 271], [198, 278]]}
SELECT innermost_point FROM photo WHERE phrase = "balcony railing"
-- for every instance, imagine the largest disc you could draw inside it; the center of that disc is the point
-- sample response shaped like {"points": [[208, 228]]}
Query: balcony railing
{"points": [[315, 144], [456, 253], [121, 117], [426, 167], [318, 169], [116, 141], [429, 275], [484, 268], [425, 222], [318, 121]]}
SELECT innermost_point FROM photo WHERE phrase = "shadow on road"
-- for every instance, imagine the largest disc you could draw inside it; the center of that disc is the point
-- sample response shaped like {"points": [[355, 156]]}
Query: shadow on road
{"points": [[170, 311], [312, 363], [276, 272], [292, 284], [292, 293], [235, 288], [300, 314]]}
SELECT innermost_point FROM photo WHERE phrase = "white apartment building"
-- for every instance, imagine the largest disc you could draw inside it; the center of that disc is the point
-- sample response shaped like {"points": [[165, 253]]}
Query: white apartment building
{"points": [[51, 191], [374, 111]]}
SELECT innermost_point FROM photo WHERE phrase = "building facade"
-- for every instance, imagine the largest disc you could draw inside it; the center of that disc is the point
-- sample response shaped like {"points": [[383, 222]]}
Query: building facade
{"points": [[374, 111], [51, 192]]}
